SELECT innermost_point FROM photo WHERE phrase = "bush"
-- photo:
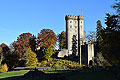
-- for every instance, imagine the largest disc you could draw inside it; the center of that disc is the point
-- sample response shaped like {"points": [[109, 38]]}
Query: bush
{"points": [[3, 68], [60, 64]]}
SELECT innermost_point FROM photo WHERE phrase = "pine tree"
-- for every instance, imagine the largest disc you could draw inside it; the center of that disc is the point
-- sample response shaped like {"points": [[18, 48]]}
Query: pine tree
{"points": [[99, 35], [62, 40]]}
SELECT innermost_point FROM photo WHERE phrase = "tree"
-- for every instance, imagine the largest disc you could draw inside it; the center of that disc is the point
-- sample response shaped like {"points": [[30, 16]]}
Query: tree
{"points": [[30, 57], [116, 6], [46, 40], [111, 40], [12, 60], [46, 37], [98, 35], [48, 53], [98, 30], [32, 42], [22, 43], [1, 55], [62, 40], [4, 51], [112, 23], [100, 60], [8, 57], [92, 35], [74, 45]]}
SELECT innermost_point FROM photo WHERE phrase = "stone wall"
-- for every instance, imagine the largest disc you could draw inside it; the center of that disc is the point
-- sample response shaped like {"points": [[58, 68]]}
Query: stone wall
{"points": [[63, 53]]}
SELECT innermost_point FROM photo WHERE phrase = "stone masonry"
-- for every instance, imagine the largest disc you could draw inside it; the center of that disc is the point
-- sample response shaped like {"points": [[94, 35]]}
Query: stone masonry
{"points": [[76, 40]]}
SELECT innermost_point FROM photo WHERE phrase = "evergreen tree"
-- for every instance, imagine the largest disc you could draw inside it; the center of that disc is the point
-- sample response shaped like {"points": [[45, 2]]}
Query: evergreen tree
{"points": [[62, 40], [99, 35], [111, 39]]}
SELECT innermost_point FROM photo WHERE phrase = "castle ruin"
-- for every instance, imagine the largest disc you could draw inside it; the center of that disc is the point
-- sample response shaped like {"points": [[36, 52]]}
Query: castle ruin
{"points": [[76, 40]]}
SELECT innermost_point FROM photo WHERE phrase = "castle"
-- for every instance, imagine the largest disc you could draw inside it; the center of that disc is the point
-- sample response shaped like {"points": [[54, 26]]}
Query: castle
{"points": [[76, 40]]}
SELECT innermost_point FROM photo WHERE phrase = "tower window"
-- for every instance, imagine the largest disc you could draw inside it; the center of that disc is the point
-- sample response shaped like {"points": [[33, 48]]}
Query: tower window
{"points": [[70, 21], [75, 21], [70, 26], [75, 26], [81, 21]]}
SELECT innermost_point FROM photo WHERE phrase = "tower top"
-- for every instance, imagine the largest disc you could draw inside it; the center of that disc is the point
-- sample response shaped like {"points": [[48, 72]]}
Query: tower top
{"points": [[75, 17]]}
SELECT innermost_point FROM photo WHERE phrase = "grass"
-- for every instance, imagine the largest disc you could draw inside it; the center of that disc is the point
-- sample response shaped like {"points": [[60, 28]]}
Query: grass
{"points": [[59, 75], [13, 73]]}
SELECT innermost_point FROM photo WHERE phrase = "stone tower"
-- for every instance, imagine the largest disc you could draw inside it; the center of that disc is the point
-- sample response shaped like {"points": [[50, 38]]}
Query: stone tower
{"points": [[76, 47], [75, 34]]}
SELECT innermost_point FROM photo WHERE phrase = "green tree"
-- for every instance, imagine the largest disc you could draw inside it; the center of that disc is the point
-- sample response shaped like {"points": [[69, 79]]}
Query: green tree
{"points": [[48, 52], [30, 57], [98, 35], [116, 6], [111, 39], [100, 60], [62, 40]]}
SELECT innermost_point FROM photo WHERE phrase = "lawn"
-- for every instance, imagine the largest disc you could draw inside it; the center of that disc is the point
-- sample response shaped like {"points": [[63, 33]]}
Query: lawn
{"points": [[13, 73], [59, 75]]}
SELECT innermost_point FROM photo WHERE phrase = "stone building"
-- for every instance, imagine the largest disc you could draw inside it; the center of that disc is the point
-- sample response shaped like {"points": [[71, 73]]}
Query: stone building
{"points": [[76, 40]]}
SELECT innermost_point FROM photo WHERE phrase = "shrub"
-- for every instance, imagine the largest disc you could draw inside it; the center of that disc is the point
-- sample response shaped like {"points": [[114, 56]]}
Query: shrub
{"points": [[3, 68], [60, 64]]}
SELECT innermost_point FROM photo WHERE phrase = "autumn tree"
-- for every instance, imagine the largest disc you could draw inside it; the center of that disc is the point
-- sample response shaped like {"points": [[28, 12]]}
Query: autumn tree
{"points": [[46, 41], [46, 37], [62, 40], [22, 43], [4, 51], [8, 57], [30, 57]]}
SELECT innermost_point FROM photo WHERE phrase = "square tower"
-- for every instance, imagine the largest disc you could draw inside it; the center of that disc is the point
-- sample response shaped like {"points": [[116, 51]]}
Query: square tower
{"points": [[75, 34]]}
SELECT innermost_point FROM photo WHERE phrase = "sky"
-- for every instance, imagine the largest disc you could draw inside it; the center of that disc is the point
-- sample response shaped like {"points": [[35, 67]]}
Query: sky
{"points": [[22, 16]]}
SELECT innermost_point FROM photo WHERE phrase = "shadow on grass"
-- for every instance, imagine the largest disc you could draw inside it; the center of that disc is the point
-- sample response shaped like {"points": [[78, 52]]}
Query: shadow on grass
{"points": [[63, 75]]}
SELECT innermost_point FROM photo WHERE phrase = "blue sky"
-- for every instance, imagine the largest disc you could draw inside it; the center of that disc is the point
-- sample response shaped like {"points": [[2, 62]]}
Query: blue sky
{"points": [[20, 16]]}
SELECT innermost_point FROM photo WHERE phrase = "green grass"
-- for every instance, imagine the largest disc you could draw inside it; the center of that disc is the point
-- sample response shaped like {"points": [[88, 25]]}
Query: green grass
{"points": [[59, 75], [13, 73]]}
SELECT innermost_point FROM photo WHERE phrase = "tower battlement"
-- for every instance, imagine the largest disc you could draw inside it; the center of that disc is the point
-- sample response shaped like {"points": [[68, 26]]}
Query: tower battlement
{"points": [[74, 17]]}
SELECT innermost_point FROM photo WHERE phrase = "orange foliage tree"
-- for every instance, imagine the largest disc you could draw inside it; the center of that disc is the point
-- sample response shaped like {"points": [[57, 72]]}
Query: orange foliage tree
{"points": [[22, 43], [46, 38]]}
